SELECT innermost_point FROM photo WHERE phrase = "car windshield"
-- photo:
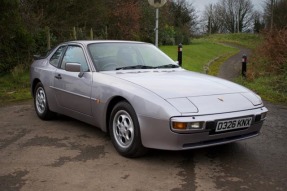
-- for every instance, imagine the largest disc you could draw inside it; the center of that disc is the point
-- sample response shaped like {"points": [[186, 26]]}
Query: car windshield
{"points": [[127, 56]]}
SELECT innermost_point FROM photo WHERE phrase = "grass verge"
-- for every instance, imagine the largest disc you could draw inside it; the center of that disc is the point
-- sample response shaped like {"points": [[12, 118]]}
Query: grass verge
{"points": [[15, 86], [265, 86], [199, 53], [250, 41], [270, 87]]}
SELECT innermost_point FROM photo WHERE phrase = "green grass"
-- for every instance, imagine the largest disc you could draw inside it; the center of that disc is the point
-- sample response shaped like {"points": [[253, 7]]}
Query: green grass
{"points": [[250, 41], [272, 87], [199, 53], [238, 39], [14, 87], [265, 86]]}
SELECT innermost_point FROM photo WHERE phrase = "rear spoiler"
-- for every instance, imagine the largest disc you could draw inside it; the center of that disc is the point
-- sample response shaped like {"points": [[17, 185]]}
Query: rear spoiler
{"points": [[38, 57]]}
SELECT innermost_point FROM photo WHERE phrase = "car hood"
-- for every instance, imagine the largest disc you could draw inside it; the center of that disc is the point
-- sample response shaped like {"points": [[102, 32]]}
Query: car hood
{"points": [[180, 83], [191, 92]]}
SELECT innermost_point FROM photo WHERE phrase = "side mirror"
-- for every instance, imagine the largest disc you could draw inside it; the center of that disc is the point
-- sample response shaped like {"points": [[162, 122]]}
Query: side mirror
{"points": [[73, 67]]}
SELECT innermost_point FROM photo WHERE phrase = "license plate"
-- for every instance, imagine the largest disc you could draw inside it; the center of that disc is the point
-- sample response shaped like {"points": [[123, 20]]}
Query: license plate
{"points": [[232, 124]]}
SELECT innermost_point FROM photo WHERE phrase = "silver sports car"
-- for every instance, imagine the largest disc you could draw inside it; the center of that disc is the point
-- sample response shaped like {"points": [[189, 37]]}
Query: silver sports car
{"points": [[142, 98]]}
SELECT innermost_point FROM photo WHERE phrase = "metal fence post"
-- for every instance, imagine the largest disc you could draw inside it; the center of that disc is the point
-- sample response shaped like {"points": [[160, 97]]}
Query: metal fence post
{"points": [[179, 54], [244, 65]]}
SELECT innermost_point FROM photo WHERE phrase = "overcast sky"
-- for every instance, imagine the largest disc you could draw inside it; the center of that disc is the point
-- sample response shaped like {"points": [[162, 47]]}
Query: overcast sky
{"points": [[200, 4]]}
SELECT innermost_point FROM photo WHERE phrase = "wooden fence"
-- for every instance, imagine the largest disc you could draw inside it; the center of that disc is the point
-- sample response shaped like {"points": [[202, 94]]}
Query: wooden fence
{"points": [[76, 33]]}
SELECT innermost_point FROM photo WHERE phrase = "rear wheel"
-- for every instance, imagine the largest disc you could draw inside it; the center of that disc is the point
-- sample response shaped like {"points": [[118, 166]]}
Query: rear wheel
{"points": [[125, 132], [41, 103]]}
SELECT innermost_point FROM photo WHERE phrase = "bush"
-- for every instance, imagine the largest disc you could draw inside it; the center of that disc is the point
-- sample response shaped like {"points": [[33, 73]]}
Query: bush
{"points": [[268, 66], [16, 43], [17, 72], [271, 56]]}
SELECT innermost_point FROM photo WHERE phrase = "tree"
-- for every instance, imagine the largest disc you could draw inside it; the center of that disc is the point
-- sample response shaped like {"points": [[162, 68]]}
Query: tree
{"points": [[258, 22], [236, 16], [184, 20], [16, 42], [229, 16], [275, 14], [124, 22], [177, 23], [24, 24], [212, 18]]}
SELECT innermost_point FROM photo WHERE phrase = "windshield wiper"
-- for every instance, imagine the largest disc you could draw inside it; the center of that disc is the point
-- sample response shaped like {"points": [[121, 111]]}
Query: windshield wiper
{"points": [[135, 67], [168, 66], [147, 67]]}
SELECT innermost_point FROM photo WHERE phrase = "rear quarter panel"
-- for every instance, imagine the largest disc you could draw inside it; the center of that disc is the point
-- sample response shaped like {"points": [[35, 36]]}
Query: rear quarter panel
{"points": [[42, 71]]}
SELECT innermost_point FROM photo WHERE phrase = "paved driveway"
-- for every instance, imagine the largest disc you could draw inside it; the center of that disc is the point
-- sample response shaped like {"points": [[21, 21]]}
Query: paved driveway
{"points": [[65, 154]]}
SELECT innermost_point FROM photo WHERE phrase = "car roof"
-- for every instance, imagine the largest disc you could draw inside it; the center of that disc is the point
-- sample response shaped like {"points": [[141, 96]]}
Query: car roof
{"points": [[86, 42]]}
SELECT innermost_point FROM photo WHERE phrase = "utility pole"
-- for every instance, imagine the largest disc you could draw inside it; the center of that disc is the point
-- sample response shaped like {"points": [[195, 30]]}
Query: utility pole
{"points": [[156, 26], [157, 4]]}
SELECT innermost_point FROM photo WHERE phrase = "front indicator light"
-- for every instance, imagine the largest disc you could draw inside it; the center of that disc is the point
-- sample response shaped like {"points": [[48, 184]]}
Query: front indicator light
{"points": [[179, 125]]}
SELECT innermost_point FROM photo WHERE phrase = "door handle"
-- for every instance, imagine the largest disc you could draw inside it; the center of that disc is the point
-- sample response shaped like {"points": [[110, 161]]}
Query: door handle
{"points": [[58, 76]]}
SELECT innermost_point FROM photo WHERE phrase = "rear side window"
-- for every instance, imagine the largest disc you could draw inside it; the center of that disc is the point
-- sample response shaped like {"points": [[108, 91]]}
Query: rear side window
{"points": [[54, 60]]}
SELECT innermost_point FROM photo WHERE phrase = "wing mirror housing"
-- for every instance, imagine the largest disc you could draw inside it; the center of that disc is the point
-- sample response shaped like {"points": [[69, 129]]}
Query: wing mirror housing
{"points": [[74, 67]]}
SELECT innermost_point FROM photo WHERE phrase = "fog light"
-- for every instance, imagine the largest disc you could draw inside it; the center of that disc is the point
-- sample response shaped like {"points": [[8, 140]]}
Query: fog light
{"points": [[195, 125], [263, 115]]}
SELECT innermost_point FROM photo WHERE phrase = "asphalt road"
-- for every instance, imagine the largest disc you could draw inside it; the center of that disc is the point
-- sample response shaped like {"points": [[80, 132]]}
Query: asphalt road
{"points": [[65, 154], [232, 67]]}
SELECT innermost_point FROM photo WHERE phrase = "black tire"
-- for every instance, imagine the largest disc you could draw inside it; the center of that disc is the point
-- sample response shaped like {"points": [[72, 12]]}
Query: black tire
{"points": [[41, 103], [125, 131]]}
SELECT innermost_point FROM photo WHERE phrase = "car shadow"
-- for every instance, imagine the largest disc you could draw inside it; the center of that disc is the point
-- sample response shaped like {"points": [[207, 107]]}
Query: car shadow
{"points": [[225, 152], [87, 129]]}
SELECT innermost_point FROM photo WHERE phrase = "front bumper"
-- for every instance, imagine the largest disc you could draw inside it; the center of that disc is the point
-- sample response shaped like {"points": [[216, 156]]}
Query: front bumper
{"points": [[156, 133]]}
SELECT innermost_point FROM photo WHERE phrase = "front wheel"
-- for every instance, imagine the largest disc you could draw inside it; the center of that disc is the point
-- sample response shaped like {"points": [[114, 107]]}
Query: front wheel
{"points": [[125, 132], [41, 103]]}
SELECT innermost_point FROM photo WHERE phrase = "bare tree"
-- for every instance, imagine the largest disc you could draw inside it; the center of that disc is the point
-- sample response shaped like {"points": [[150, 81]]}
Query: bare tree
{"points": [[212, 20], [232, 16]]}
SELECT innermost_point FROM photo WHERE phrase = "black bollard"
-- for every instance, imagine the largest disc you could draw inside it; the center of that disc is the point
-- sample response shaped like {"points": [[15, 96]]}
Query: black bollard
{"points": [[179, 54], [244, 65]]}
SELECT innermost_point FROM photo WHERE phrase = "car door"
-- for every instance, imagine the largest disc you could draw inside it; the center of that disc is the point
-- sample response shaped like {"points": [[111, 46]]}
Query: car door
{"points": [[73, 91]]}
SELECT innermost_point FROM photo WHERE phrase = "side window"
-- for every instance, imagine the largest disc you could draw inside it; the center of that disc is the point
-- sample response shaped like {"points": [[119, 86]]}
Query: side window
{"points": [[75, 54], [54, 60]]}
